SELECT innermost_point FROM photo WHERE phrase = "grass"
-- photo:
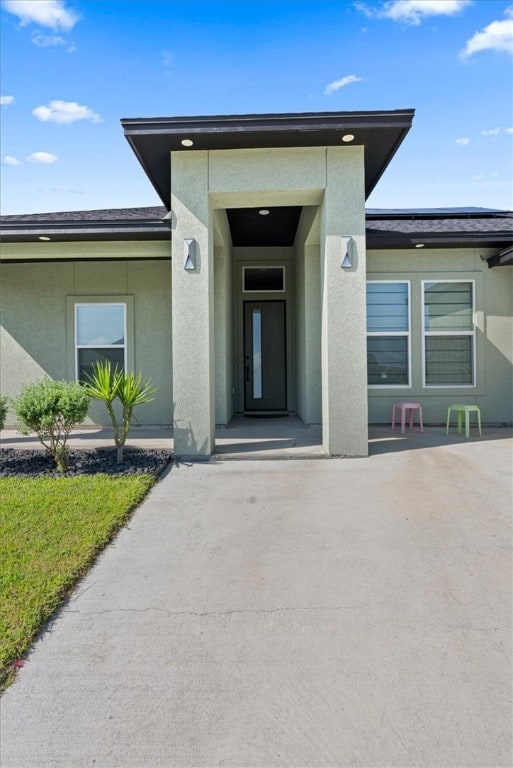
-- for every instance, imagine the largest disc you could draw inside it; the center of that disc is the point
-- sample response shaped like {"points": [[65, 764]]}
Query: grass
{"points": [[50, 531]]}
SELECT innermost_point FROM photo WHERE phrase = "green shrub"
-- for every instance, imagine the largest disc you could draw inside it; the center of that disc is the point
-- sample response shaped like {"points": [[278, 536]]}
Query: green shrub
{"points": [[51, 409], [3, 411], [109, 385]]}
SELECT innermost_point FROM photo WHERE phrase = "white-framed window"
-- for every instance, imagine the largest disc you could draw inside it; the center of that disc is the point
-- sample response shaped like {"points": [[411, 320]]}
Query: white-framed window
{"points": [[100, 334], [388, 333], [449, 335], [263, 279]]}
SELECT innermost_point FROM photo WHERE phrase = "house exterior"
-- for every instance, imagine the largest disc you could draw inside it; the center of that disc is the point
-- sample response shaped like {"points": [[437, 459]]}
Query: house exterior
{"points": [[262, 286]]}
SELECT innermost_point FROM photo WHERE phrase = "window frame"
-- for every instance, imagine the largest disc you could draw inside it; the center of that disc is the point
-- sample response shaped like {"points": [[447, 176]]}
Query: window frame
{"points": [[393, 333], [97, 346], [262, 267], [72, 302], [472, 333]]}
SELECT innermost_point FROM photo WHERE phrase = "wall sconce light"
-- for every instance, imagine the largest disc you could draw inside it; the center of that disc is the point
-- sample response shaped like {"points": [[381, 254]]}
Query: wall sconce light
{"points": [[346, 261], [189, 254]]}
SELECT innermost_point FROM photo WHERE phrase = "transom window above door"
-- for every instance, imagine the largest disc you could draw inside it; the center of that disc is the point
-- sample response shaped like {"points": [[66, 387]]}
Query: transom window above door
{"points": [[263, 279]]}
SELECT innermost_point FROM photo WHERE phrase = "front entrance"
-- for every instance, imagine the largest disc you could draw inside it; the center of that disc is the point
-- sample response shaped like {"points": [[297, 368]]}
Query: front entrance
{"points": [[265, 357]]}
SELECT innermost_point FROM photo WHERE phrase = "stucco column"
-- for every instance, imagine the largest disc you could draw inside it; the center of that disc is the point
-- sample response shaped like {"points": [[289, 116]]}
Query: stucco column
{"points": [[344, 341], [192, 307]]}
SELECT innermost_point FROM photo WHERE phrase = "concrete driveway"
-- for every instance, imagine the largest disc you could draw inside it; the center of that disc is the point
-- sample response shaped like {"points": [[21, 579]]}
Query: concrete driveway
{"points": [[288, 613]]}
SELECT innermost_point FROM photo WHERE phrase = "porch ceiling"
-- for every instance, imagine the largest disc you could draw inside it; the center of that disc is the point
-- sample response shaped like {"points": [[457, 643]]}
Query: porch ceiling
{"points": [[152, 139], [277, 228]]}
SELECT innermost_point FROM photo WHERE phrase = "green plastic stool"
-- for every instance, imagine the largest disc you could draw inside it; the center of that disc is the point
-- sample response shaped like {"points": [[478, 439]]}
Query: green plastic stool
{"points": [[460, 410]]}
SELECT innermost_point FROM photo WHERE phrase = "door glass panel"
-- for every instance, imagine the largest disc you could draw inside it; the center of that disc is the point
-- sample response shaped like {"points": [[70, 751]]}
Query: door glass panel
{"points": [[257, 354]]}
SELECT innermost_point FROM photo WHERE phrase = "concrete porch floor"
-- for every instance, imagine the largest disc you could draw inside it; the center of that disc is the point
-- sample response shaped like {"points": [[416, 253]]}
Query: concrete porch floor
{"points": [[248, 438]]}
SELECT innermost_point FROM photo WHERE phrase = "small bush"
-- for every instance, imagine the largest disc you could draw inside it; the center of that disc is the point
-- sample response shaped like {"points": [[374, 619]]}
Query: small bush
{"points": [[108, 385], [51, 409], [3, 411]]}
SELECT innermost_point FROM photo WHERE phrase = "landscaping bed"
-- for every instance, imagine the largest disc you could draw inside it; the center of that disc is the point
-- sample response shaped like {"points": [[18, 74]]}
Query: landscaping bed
{"points": [[18, 462]]}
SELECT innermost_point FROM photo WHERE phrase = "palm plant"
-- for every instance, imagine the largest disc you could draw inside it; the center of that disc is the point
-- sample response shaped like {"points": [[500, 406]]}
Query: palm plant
{"points": [[108, 384]]}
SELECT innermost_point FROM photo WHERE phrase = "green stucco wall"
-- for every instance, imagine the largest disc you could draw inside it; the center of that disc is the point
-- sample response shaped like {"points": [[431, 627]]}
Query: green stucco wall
{"points": [[307, 270], [493, 390], [35, 323], [223, 320], [330, 178]]}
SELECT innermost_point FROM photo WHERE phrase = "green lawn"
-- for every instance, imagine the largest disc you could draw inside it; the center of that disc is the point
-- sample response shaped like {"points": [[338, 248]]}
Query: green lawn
{"points": [[50, 531]]}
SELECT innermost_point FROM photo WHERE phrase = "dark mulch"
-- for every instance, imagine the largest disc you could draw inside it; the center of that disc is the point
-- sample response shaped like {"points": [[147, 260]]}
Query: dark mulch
{"points": [[16, 462]]}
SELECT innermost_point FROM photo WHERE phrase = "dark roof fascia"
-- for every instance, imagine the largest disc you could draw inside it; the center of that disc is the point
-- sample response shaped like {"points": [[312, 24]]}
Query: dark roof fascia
{"points": [[435, 213], [152, 139], [76, 232], [502, 259], [378, 240]]}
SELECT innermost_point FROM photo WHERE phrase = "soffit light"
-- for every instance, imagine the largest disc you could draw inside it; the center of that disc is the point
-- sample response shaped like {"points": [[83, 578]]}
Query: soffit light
{"points": [[43, 237], [264, 212], [187, 142], [347, 137]]}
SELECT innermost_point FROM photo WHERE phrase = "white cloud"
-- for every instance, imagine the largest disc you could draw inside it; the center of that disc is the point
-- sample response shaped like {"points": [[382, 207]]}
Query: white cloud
{"points": [[491, 132], [413, 11], [65, 112], [44, 41], [6, 100], [337, 84], [46, 13], [509, 130], [10, 160], [45, 158], [497, 36], [463, 142]]}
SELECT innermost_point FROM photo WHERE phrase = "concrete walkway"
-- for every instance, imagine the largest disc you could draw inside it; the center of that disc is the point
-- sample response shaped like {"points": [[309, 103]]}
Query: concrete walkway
{"points": [[289, 613]]}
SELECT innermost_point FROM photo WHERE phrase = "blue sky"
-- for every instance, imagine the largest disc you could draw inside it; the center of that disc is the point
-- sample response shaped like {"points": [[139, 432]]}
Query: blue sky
{"points": [[70, 69]]}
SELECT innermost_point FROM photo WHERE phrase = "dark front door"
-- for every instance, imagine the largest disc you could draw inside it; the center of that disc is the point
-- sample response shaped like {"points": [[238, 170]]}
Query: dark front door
{"points": [[265, 369]]}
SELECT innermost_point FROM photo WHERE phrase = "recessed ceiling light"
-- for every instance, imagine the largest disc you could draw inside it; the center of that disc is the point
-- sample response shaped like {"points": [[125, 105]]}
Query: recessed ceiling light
{"points": [[348, 137], [187, 142], [264, 212], [419, 245], [43, 237]]}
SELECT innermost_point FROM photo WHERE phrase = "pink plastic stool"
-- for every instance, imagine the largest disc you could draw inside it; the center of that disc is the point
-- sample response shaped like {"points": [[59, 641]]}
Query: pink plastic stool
{"points": [[407, 407]]}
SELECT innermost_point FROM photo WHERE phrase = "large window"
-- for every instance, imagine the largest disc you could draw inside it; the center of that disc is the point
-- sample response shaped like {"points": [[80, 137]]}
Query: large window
{"points": [[388, 334], [100, 334], [449, 333]]}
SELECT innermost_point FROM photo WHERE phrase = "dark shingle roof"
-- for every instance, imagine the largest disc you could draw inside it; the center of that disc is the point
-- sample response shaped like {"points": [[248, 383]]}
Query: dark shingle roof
{"points": [[153, 213], [435, 228], [439, 228], [146, 223]]}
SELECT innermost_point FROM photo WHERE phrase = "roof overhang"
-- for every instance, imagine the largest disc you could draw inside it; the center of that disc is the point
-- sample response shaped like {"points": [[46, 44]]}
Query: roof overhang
{"points": [[152, 139], [77, 231], [377, 240], [502, 259]]}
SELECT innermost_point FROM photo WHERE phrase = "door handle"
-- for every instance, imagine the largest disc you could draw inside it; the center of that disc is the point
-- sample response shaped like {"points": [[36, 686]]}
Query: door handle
{"points": [[247, 373]]}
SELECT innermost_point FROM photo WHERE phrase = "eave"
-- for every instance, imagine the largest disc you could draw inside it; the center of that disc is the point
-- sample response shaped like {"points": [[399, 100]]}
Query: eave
{"points": [[152, 139], [76, 232]]}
